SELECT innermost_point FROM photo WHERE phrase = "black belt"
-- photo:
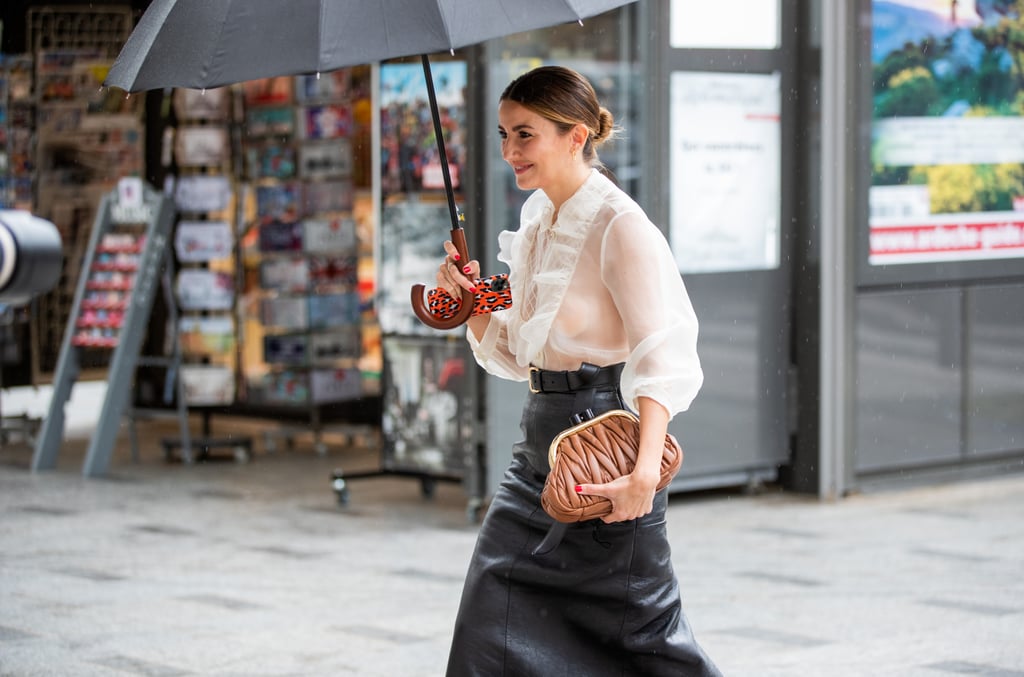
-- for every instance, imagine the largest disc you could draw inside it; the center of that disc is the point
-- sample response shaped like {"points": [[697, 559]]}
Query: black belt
{"points": [[588, 376]]}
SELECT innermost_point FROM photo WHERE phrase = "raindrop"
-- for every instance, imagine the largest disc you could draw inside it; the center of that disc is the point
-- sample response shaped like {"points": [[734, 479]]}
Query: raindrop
{"points": [[581, 21], [318, 75], [127, 96], [452, 51], [204, 92]]}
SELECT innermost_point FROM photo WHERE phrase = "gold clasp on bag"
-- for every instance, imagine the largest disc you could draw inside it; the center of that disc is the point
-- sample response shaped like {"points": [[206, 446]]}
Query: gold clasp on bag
{"points": [[583, 425]]}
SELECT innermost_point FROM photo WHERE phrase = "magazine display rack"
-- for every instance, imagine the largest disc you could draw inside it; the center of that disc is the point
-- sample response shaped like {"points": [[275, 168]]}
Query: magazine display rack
{"points": [[86, 138], [304, 329], [15, 132], [111, 311], [74, 141]]}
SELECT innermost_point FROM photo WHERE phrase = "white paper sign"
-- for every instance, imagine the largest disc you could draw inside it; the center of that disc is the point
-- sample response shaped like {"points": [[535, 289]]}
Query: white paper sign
{"points": [[129, 192], [725, 163]]}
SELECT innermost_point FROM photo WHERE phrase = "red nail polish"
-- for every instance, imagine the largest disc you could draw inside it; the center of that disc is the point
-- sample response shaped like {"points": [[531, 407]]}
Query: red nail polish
{"points": [[455, 257], [466, 269], [472, 289], [578, 488]]}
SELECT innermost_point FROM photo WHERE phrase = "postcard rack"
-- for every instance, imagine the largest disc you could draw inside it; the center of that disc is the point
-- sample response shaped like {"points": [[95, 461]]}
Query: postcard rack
{"points": [[307, 316], [199, 156]]}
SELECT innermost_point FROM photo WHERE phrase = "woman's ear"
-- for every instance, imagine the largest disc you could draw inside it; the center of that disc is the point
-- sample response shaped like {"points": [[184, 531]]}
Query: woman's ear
{"points": [[580, 134]]}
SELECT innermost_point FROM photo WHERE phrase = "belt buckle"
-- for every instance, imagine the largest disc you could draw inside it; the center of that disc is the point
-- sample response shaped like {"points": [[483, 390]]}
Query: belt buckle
{"points": [[535, 372]]}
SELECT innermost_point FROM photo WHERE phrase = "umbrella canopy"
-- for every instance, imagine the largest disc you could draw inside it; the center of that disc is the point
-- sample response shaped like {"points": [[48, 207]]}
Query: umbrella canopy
{"points": [[202, 44]]}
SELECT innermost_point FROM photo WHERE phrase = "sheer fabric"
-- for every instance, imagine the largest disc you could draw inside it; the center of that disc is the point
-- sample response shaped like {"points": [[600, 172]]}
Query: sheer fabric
{"points": [[599, 285]]}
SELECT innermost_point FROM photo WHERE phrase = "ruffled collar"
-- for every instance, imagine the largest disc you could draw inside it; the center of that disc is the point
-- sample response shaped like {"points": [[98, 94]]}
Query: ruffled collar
{"points": [[547, 283]]}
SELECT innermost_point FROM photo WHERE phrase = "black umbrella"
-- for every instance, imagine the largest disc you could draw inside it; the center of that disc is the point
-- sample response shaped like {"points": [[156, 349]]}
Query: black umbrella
{"points": [[201, 44]]}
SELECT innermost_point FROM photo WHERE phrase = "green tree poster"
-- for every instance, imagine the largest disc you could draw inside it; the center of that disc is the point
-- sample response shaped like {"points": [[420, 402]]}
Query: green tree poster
{"points": [[947, 149]]}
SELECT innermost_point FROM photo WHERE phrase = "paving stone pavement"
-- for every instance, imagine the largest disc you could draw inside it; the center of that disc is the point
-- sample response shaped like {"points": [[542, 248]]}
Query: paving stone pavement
{"points": [[253, 569]]}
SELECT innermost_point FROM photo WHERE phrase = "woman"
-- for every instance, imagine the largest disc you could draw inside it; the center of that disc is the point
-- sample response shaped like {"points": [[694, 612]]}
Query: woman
{"points": [[593, 283]]}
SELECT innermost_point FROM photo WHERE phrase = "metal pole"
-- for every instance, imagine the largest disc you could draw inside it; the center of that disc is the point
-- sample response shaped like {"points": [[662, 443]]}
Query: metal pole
{"points": [[838, 125], [435, 113]]}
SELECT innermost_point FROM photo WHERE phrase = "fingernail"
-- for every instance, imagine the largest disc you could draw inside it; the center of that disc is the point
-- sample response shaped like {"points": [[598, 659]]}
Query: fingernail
{"points": [[578, 488], [455, 257], [466, 269], [472, 289]]}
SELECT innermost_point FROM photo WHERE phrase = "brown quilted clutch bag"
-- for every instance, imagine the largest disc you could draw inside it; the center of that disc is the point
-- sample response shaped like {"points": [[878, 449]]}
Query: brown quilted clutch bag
{"points": [[595, 452]]}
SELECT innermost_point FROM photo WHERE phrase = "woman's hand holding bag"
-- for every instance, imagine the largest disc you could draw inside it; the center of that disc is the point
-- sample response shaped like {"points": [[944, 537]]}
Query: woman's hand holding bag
{"points": [[598, 451]]}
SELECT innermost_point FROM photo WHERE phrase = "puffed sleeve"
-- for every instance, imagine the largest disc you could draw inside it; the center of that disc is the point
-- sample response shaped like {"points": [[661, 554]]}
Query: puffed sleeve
{"points": [[640, 272], [492, 352]]}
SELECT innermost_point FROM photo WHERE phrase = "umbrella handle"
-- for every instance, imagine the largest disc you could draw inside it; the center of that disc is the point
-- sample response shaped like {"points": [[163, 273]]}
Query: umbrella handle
{"points": [[419, 305]]}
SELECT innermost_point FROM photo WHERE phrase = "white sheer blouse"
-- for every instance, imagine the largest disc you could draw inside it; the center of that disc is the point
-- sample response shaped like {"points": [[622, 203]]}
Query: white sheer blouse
{"points": [[599, 285]]}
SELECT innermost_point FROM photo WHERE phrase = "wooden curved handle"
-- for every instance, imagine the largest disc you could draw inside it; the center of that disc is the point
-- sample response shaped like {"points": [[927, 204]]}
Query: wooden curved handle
{"points": [[419, 303]]}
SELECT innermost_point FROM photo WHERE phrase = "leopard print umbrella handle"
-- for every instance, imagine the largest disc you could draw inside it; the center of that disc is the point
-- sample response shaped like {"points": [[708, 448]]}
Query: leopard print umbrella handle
{"points": [[492, 295], [421, 307]]}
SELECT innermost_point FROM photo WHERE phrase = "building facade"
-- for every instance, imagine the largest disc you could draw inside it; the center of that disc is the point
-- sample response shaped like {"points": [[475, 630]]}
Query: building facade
{"points": [[842, 184]]}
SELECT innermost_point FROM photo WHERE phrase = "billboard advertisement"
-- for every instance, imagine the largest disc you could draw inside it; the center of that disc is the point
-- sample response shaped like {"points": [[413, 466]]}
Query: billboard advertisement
{"points": [[947, 135]]}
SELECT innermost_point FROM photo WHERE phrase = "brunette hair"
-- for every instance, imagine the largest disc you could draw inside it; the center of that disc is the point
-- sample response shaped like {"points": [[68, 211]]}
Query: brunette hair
{"points": [[566, 98]]}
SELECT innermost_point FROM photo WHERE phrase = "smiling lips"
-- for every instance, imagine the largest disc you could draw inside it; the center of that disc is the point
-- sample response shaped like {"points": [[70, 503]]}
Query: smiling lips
{"points": [[519, 169]]}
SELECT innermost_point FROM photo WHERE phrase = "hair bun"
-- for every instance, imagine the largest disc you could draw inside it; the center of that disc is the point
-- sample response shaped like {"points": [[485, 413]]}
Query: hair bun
{"points": [[605, 126]]}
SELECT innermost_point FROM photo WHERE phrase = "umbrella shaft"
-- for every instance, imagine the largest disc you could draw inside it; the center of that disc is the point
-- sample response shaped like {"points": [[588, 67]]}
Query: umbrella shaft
{"points": [[435, 113]]}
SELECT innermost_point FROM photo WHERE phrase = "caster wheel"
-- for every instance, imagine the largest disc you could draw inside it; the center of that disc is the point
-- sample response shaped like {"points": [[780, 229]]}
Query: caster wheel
{"points": [[341, 490]]}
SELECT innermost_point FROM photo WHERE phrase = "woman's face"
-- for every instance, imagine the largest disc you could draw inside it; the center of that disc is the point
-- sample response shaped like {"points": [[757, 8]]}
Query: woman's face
{"points": [[539, 155]]}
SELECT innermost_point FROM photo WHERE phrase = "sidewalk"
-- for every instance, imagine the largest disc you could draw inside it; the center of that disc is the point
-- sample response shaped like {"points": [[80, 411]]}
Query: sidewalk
{"points": [[253, 569]]}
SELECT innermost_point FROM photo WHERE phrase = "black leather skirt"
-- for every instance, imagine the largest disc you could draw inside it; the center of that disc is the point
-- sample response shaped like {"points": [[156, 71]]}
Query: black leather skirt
{"points": [[605, 601]]}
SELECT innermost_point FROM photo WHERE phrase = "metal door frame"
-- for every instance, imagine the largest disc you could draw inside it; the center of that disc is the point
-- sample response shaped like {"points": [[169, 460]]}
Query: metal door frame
{"points": [[661, 60]]}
